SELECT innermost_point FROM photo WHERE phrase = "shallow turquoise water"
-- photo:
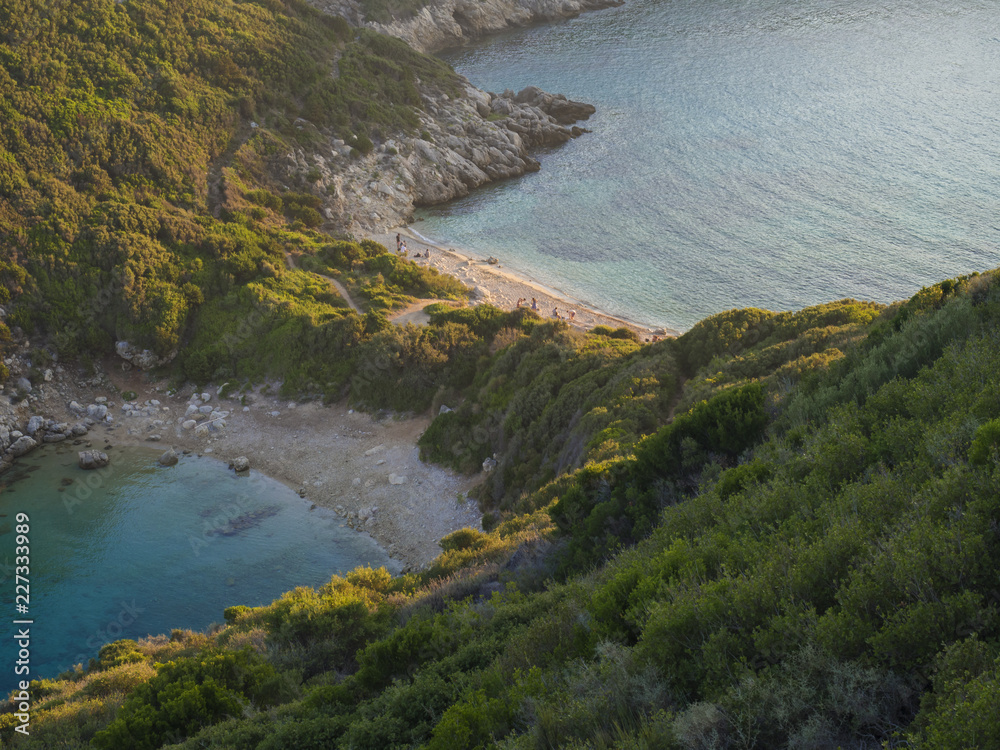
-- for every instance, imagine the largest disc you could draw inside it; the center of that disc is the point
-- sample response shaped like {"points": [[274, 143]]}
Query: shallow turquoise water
{"points": [[743, 153], [138, 549]]}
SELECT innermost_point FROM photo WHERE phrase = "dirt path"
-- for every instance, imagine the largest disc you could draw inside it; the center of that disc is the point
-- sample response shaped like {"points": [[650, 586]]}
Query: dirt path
{"points": [[414, 312], [342, 291], [338, 287]]}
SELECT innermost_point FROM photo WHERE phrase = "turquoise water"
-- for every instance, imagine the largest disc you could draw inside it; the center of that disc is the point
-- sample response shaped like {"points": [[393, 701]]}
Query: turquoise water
{"points": [[138, 549], [767, 153]]}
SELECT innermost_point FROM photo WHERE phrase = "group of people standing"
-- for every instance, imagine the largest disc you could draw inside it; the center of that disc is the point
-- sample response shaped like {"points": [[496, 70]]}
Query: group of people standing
{"points": [[570, 314], [401, 249]]}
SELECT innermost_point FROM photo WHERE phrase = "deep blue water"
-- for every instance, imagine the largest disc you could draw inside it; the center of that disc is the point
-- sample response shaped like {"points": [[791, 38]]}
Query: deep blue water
{"points": [[756, 152], [138, 549]]}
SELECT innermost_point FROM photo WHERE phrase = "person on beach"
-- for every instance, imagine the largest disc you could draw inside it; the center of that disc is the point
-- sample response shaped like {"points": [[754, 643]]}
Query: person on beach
{"points": [[519, 301], [402, 249], [399, 241], [572, 315], [534, 304], [555, 313]]}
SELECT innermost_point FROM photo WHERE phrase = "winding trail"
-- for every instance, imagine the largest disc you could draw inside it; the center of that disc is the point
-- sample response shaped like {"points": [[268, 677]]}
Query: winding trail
{"points": [[412, 313], [342, 291], [338, 287]]}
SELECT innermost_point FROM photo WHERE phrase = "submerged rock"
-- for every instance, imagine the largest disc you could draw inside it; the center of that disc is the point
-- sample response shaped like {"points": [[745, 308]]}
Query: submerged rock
{"points": [[168, 458], [92, 459], [240, 463]]}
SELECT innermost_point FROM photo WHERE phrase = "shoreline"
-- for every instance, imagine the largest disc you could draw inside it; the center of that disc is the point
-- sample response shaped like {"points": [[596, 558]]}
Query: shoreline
{"points": [[365, 469], [501, 286]]}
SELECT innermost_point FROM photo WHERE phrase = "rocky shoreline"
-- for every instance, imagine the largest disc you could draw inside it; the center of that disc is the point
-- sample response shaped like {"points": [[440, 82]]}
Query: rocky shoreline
{"points": [[452, 23], [365, 469], [464, 143]]}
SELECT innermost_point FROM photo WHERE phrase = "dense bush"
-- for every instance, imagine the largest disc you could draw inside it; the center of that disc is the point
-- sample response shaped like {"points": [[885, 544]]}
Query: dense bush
{"points": [[113, 115], [548, 403], [189, 694]]}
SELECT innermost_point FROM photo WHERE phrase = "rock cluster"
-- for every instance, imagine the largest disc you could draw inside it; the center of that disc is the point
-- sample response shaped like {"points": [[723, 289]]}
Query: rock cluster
{"points": [[144, 359], [202, 417], [17, 441], [365, 517], [92, 459]]}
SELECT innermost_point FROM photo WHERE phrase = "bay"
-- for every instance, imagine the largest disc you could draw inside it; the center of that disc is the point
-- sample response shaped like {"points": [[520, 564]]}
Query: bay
{"points": [[140, 549], [750, 153]]}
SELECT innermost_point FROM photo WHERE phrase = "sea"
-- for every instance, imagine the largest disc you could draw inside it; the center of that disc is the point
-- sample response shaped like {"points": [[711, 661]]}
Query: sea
{"points": [[766, 153], [139, 549]]}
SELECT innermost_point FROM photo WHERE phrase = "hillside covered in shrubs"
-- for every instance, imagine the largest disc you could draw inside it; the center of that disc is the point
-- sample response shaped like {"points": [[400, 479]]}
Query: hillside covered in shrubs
{"points": [[778, 530], [142, 195]]}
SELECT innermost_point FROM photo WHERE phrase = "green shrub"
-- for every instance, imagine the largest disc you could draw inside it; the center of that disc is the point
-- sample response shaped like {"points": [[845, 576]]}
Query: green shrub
{"points": [[462, 539], [961, 710], [189, 694], [727, 424], [986, 443]]}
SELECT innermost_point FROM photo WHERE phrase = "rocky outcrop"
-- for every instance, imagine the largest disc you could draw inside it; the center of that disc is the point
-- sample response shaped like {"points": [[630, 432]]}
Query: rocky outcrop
{"points": [[22, 445], [463, 143], [144, 359], [452, 23]]}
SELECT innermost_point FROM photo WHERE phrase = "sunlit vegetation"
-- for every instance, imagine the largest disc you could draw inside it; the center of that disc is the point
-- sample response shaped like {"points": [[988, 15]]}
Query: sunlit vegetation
{"points": [[803, 560], [778, 530], [137, 178]]}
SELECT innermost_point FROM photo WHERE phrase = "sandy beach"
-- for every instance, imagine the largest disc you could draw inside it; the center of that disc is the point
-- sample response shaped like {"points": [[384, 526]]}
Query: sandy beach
{"points": [[503, 287], [366, 469]]}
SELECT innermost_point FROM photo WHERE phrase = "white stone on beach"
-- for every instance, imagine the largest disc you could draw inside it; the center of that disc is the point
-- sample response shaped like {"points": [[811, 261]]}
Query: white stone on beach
{"points": [[189, 424], [397, 479]]}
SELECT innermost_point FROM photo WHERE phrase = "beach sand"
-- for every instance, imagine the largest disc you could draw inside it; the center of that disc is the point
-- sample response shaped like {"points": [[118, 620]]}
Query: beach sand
{"points": [[367, 469], [501, 287]]}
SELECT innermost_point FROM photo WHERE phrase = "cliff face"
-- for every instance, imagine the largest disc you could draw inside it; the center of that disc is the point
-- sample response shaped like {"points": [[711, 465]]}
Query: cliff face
{"points": [[451, 23], [463, 143]]}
